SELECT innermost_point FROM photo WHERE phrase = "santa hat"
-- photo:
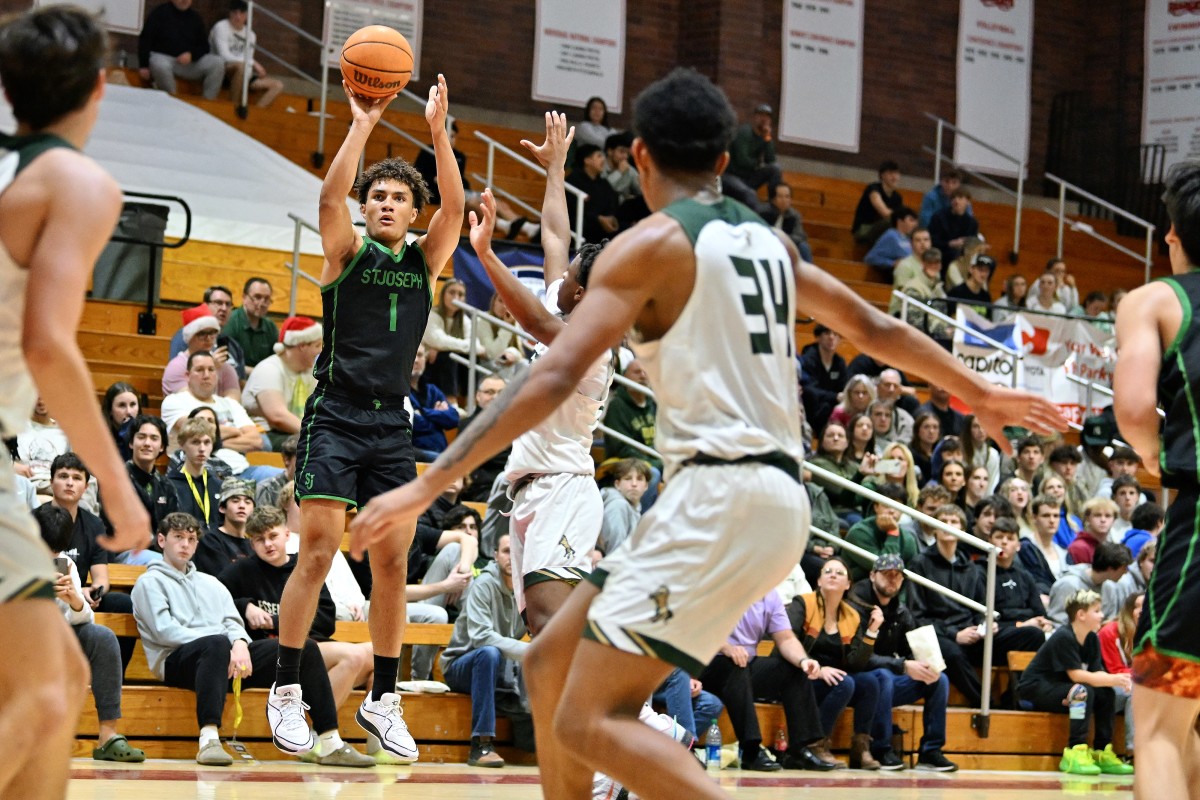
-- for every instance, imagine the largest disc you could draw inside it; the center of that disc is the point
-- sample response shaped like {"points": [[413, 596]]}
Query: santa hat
{"points": [[196, 319], [298, 330]]}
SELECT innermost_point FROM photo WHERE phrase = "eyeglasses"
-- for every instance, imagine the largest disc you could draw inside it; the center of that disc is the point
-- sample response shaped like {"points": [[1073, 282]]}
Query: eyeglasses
{"points": [[206, 333], [834, 571]]}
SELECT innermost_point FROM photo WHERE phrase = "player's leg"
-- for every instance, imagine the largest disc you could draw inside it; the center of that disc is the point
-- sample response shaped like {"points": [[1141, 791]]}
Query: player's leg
{"points": [[1168, 749], [542, 601], [42, 670], [322, 525]]}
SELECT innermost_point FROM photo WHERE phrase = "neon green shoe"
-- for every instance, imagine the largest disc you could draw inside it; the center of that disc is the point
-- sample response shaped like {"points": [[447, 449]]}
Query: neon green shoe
{"points": [[1110, 763], [1077, 760]]}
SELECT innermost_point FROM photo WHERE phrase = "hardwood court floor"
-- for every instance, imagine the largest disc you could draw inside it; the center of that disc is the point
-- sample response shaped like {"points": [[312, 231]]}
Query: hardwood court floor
{"points": [[157, 779]]}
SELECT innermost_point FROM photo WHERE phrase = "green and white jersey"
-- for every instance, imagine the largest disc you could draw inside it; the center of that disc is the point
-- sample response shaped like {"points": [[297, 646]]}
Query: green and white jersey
{"points": [[725, 373]]}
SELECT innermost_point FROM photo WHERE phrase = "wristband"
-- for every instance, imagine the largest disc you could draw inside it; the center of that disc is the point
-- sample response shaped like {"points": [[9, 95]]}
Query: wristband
{"points": [[869, 635]]}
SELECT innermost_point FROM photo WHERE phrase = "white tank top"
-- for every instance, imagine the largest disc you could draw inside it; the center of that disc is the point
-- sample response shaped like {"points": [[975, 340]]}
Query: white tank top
{"points": [[17, 392], [562, 443], [725, 372]]}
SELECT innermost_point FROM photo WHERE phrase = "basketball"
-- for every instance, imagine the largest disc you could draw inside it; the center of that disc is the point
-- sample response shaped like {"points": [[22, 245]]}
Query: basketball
{"points": [[376, 61]]}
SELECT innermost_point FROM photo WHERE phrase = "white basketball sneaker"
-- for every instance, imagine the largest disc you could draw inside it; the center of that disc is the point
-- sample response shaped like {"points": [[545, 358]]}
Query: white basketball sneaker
{"points": [[384, 719], [289, 727]]}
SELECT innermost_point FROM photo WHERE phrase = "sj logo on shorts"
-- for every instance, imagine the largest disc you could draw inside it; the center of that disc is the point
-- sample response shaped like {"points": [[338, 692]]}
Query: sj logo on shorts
{"points": [[662, 599], [568, 551], [307, 480]]}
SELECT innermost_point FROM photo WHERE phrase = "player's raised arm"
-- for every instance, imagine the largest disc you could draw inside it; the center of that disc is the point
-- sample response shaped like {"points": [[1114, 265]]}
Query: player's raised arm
{"points": [[529, 312], [442, 239], [556, 224], [339, 238], [897, 343]]}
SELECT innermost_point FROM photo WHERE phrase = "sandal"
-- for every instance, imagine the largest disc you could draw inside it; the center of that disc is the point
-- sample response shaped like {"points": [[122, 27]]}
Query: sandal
{"points": [[117, 749]]}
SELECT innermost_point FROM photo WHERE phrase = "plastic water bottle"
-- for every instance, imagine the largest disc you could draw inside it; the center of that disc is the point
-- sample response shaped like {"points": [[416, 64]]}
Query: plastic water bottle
{"points": [[1077, 698], [712, 748]]}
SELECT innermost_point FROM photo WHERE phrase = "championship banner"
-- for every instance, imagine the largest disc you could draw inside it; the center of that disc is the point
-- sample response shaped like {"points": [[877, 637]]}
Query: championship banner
{"points": [[1171, 95], [579, 52], [822, 73], [995, 59], [1051, 348], [346, 16]]}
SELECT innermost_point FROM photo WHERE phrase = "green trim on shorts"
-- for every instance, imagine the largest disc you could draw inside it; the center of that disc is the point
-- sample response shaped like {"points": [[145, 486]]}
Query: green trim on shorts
{"points": [[597, 577], [546, 576], [650, 647], [35, 589], [351, 503]]}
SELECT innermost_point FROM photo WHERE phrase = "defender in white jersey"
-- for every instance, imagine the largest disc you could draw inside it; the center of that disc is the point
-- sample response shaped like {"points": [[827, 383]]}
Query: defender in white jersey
{"points": [[713, 299], [57, 209]]}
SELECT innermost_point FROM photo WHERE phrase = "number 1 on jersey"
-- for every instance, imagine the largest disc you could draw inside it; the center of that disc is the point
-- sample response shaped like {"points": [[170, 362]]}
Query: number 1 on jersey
{"points": [[394, 299], [755, 306]]}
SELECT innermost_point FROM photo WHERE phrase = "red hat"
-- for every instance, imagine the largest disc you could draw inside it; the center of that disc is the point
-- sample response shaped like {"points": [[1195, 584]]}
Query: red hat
{"points": [[298, 330], [198, 318]]}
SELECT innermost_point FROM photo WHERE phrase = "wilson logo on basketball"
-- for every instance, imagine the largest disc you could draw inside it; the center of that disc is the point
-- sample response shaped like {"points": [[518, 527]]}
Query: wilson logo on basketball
{"points": [[1003, 5], [1181, 7], [373, 82]]}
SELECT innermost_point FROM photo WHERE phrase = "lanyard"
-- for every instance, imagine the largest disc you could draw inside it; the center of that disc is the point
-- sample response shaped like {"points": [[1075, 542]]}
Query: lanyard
{"points": [[205, 503]]}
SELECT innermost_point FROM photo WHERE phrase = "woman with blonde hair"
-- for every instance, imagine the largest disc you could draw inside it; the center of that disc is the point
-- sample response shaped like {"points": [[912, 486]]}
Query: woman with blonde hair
{"points": [[856, 399], [449, 331], [1016, 492], [904, 475]]}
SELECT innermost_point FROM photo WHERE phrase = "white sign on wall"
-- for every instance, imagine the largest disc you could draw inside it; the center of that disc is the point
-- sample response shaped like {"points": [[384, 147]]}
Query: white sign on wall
{"points": [[1171, 95], [122, 16], [579, 52], [995, 61], [822, 73], [346, 16]]}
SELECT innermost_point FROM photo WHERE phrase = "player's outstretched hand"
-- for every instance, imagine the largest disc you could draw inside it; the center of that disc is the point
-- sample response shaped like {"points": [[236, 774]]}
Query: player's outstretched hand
{"points": [[481, 229], [130, 522], [553, 151], [389, 514], [438, 107], [366, 109], [1003, 406]]}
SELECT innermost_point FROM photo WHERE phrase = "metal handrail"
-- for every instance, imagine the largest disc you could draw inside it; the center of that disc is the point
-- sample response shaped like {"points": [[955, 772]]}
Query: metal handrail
{"points": [[535, 213], [906, 299], [1076, 225], [1019, 194], [493, 146], [298, 226]]}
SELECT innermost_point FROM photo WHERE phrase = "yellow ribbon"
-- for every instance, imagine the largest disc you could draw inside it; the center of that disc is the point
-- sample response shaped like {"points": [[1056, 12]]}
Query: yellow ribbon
{"points": [[237, 704]]}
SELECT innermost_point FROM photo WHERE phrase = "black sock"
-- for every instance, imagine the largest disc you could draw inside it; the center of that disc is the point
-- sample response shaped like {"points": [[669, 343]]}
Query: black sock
{"points": [[287, 665], [386, 668]]}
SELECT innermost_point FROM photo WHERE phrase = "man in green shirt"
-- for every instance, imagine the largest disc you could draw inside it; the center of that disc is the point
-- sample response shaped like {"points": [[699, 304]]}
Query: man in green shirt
{"points": [[881, 533], [249, 325], [752, 160]]}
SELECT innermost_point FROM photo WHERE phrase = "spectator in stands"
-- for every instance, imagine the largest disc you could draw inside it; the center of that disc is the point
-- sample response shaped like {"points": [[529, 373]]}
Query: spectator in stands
{"points": [[197, 490], [194, 640], [938, 197], [881, 533], [1016, 493], [443, 560], [600, 207], [822, 374], [1116, 649], [833, 454], [219, 300], [913, 265], [890, 387], [857, 398], [618, 171], [38, 446], [229, 39], [594, 129], [687, 701], [779, 214], [173, 43], [250, 326], [1110, 562], [148, 442], [256, 584], [622, 503], [978, 450], [931, 497], [1098, 516], [959, 629], [1127, 494], [894, 245], [975, 491], [939, 405], [227, 543], [267, 492], [873, 214], [1064, 284], [276, 392], [1051, 682], [1046, 297], [1113, 594], [862, 440], [927, 432], [903, 679], [1123, 461], [432, 412], [974, 289], [950, 227], [1148, 520], [98, 642], [1043, 557], [502, 348], [1064, 460], [752, 160], [69, 478], [238, 431], [449, 331], [956, 273], [953, 477], [485, 651], [487, 390], [120, 405], [1018, 602], [1012, 300], [1029, 464], [899, 472], [731, 676], [1069, 523], [200, 331], [891, 423], [927, 288], [634, 414]]}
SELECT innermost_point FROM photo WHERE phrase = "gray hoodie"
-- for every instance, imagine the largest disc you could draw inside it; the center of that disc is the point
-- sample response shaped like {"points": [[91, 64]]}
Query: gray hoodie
{"points": [[490, 618], [1073, 578], [173, 608]]}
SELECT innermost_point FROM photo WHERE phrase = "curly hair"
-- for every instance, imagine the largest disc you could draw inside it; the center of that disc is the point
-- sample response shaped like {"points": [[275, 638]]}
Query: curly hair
{"points": [[685, 121], [587, 256], [393, 169]]}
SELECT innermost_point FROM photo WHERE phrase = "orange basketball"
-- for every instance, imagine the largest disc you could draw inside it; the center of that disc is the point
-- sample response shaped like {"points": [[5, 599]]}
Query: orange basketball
{"points": [[376, 61]]}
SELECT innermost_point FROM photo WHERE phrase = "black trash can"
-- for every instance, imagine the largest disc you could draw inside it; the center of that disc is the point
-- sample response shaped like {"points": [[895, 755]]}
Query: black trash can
{"points": [[123, 268]]}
